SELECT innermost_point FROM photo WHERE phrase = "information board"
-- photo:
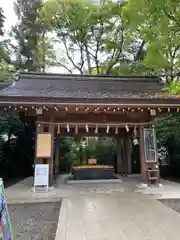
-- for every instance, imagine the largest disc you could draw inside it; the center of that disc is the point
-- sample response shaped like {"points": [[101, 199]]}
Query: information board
{"points": [[150, 145], [5, 224], [41, 176], [44, 145]]}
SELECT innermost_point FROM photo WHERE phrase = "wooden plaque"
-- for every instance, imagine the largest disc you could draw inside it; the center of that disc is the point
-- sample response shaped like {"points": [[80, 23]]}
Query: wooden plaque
{"points": [[44, 145]]}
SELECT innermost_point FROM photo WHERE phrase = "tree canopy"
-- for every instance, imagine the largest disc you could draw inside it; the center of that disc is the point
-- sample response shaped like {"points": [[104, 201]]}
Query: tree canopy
{"points": [[92, 36], [4, 50], [2, 19], [158, 24], [33, 49]]}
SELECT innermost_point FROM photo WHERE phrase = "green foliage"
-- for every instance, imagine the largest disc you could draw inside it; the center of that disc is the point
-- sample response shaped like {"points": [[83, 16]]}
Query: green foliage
{"points": [[168, 135], [158, 24], [93, 36], [105, 151], [4, 50], [33, 50], [168, 127], [45, 55], [5, 68], [25, 32], [16, 147], [78, 150], [9, 122], [106, 37], [174, 87], [2, 19]]}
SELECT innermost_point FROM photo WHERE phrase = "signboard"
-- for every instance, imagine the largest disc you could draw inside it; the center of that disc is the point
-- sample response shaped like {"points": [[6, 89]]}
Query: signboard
{"points": [[41, 177], [5, 224], [44, 145], [150, 145]]}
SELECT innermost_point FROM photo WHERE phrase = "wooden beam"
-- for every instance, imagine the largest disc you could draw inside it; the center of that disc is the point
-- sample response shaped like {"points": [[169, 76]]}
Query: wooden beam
{"points": [[100, 124], [123, 102]]}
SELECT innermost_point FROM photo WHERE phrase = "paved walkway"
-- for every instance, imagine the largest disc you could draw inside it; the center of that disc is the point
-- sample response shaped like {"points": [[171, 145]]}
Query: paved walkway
{"points": [[21, 192], [118, 217], [113, 211]]}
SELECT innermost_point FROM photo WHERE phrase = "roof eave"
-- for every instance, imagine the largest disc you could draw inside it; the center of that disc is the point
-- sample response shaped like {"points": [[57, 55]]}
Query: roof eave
{"points": [[39, 101]]}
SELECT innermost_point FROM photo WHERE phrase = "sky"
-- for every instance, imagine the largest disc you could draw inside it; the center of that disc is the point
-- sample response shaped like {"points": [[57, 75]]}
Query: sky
{"points": [[11, 18]]}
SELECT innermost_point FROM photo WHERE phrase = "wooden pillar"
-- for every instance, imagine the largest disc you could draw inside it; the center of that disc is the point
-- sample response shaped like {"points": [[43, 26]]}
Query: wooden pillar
{"points": [[123, 156], [118, 144], [57, 156], [128, 151], [39, 129], [50, 160], [127, 155], [142, 155]]}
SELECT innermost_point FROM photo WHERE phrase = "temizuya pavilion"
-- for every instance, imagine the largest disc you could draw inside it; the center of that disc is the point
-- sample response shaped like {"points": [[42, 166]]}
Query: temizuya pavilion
{"points": [[91, 105]]}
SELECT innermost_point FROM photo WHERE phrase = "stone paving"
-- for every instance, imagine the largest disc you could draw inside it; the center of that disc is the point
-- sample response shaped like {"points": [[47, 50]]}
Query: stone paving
{"points": [[22, 192], [169, 190], [118, 217], [116, 211]]}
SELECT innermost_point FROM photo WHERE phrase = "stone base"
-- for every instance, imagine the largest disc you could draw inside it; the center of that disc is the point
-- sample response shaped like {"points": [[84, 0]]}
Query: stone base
{"points": [[96, 172], [94, 181], [41, 189], [142, 185], [145, 185]]}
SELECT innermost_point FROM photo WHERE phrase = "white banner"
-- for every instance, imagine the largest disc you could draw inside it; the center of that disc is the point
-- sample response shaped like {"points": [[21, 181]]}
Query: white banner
{"points": [[41, 177]]}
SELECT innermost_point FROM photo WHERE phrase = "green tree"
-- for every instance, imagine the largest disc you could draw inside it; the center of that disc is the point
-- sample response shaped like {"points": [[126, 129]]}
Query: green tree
{"points": [[45, 54], [33, 49], [91, 36], [158, 24], [2, 19], [26, 33], [4, 51]]}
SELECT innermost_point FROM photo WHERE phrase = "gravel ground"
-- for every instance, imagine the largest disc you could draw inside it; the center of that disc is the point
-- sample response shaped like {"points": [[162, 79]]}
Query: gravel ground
{"points": [[34, 221], [172, 203]]}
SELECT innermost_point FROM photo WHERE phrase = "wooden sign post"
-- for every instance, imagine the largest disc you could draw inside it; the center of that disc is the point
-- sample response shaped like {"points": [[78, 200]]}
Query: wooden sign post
{"points": [[43, 150]]}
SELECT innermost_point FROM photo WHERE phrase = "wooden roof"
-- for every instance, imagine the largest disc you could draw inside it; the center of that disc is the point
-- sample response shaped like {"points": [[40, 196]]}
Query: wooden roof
{"points": [[83, 88]]}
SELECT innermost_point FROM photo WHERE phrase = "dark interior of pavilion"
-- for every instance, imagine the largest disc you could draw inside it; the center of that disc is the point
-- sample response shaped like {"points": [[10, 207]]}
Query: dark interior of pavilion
{"points": [[77, 150]]}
